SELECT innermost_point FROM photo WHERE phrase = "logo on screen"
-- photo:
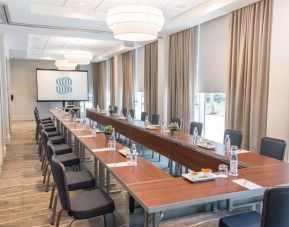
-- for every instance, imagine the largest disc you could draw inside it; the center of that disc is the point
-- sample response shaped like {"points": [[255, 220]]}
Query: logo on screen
{"points": [[63, 85]]}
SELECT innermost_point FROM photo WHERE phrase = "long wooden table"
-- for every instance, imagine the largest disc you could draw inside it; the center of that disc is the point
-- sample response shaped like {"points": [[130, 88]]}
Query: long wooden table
{"points": [[155, 190]]}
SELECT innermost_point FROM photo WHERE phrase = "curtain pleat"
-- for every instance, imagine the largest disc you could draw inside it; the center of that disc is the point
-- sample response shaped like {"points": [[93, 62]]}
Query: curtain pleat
{"points": [[151, 78], [128, 81], [112, 82], [180, 90], [248, 78], [99, 74]]}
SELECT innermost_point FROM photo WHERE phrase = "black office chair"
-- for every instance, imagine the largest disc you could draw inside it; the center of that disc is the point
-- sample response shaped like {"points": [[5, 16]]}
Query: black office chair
{"points": [[273, 148], [236, 137], [274, 214], [75, 181], [155, 119], [176, 120], [132, 113], [198, 125], [124, 111], [143, 116], [87, 205]]}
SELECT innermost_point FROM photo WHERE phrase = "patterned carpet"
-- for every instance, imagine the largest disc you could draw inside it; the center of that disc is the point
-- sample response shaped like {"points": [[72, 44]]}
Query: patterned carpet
{"points": [[24, 202]]}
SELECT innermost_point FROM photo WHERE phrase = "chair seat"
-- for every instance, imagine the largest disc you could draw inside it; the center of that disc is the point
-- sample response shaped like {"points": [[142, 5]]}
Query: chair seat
{"points": [[250, 219], [69, 159], [53, 133], [61, 149], [46, 119], [49, 128], [57, 139], [79, 180], [91, 204]]}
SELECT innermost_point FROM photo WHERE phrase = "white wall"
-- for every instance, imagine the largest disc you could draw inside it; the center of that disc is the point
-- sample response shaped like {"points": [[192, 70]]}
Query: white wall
{"points": [[278, 103], [23, 88]]}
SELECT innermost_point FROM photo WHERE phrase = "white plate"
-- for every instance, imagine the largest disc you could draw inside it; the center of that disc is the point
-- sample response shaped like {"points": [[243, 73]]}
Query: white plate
{"points": [[122, 118], [151, 127], [199, 177]]}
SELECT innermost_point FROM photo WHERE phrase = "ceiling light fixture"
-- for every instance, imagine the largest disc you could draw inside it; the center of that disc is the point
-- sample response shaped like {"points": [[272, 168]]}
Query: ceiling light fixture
{"points": [[79, 57], [65, 65], [82, 3], [135, 22]]}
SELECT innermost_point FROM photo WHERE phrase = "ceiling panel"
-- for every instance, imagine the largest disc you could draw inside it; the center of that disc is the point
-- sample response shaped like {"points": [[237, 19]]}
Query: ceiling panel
{"points": [[82, 4], [50, 2]]}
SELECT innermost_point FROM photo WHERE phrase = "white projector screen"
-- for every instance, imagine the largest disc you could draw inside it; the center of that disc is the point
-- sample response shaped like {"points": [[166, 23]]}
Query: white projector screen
{"points": [[58, 85]]}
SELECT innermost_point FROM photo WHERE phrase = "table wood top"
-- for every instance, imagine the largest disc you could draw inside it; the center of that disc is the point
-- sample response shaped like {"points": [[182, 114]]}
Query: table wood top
{"points": [[155, 190]]}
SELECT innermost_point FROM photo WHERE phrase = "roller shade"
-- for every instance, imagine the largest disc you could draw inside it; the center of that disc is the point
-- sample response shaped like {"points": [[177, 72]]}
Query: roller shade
{"points": [[139, 69], [213, 55]]}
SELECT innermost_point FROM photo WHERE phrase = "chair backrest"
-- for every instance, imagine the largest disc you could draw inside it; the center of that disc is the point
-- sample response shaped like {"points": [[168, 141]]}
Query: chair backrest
{"points": [[275, 207], [143, 116], [59, 176], [198, 125], [124, 111], [44, 138], [50, 151], [132, 113], [236, 137], [176, 120], [115, 109], [155, 119], [273, 148]]}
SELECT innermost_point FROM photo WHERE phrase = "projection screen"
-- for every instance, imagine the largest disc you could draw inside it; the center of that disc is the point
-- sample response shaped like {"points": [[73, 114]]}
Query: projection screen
{"points": [[58, 85]]}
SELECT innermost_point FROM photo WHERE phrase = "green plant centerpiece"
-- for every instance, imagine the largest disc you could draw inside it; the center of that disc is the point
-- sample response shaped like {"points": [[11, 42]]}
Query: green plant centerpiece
{"points": [[108, 131], [174, 128], [111, 110]]}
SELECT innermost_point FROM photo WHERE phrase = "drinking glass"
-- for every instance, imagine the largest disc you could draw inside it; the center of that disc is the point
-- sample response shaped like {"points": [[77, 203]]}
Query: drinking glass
{"points": [[223, 170]]}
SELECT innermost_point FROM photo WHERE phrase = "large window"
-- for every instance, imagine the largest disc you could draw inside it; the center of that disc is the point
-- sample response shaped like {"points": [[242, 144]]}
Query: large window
{"points": [[139, 104], [210, 110]]}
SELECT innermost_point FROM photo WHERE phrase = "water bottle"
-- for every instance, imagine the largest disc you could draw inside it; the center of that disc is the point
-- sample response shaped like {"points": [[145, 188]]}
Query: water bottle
{"points": [[97, 108], [84, 124], [133, 156], [162, 126], [147, 121], [93, 131], [234, 161], [112, 141], [128, 117], [195, 135], [227, 143]]}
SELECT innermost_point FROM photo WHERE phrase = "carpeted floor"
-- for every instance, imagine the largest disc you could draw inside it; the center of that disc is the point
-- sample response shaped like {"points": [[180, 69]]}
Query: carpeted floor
{"points": [[24, 202]]}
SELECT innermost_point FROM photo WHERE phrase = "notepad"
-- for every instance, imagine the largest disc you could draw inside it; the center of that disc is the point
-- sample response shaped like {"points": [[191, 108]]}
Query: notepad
{"points": [[242, 151], [76, 129], [119, 164], [86, 136], [101, 149], [247, 184]]}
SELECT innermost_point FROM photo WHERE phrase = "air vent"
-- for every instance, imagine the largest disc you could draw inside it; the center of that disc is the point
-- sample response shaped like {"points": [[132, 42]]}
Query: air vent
{"points": [[4, 15]]}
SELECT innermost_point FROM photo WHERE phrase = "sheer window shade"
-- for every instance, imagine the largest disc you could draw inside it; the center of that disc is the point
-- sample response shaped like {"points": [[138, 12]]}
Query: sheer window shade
{"points": [[139, 68], [213, 55]]}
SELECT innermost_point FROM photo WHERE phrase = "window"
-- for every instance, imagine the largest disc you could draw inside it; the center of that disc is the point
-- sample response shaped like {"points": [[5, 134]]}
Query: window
{"points": [[139, 104]]}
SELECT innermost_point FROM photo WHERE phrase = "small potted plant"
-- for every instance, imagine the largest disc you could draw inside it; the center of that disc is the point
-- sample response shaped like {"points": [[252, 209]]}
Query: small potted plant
{"points": [[174, 128], [72, 114], [108, 131], [111, 110]]}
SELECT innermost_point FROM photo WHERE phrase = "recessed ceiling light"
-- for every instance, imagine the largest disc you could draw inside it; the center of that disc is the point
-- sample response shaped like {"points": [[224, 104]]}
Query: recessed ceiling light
{"points": [[82, 3], [182, 6]]}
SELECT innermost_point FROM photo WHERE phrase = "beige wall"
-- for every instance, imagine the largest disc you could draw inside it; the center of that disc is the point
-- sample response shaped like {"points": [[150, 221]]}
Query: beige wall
{"points": [[24, 90], [278, 106]]}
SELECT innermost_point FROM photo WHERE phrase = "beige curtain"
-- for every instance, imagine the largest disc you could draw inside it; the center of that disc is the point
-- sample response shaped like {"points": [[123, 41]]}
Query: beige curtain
{"points": [[99, 74], [128, 82], [151, 78], [112, 81], [247, 88], [180, 87]]}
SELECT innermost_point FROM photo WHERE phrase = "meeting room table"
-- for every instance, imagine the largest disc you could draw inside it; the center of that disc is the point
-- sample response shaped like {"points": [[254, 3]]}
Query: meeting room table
{"points": [[155, 190]]}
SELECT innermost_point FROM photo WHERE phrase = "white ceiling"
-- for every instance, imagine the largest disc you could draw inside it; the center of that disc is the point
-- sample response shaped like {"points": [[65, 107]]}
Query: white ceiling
{"points": [[42, 29]]}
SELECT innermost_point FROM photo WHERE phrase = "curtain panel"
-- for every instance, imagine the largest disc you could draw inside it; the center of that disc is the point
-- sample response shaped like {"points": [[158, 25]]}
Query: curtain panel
{"points": [[99, 74], [248, 77], [151, 78], [128, 80], [180, 84], [112, 81]]}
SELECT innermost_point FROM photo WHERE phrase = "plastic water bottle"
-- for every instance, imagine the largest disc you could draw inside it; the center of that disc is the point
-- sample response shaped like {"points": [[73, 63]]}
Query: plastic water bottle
{"points": [[97, 108], [147, 121], [112, 141], [128, 117], [234, 161], [227, 143], [84, 124], [93, 131], [195, 135], [133, 156], [162, 126]]}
